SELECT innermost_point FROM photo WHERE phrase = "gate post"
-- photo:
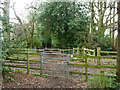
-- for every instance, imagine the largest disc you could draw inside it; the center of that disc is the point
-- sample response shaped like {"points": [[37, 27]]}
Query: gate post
{"points": [[67, 66], [41, 65]]}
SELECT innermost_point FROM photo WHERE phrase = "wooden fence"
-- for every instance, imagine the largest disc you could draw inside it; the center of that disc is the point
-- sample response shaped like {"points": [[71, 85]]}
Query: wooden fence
{"points": [[38, 54], [28, 52]]}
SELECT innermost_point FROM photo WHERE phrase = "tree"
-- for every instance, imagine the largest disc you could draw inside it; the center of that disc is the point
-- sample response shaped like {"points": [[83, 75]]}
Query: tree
{"points": [[102, 15], [6, 15], [63, 21], [118, 50]]}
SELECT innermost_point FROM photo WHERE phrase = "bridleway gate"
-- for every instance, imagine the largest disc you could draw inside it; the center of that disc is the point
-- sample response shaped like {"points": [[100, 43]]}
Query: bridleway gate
{"points": [[54, 63]]}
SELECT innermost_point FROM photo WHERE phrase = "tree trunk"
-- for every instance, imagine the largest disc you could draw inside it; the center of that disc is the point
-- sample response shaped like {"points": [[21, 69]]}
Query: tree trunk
{"points": [[6, 14], [0, 55], [118, 50], [91, 23], [113, 39], [32, 33], [110, 27]]}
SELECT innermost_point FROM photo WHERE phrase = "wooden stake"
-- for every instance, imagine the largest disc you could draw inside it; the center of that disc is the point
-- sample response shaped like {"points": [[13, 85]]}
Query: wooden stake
{"points": [[41, 65], [102, 79], [27, 61], [86, 67]]}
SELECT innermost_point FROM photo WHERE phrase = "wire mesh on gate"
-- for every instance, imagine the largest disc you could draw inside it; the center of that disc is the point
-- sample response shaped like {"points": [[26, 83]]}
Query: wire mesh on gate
{"points": [[55, 64]]}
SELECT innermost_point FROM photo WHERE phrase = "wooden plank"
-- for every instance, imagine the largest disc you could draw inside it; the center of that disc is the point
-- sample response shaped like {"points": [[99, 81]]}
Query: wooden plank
{"points": [[108, 52], [90, 50], [15, 66], [29, 53], [9, 59], [74, 64], [96, 66], [21, 67], [101, 57]]}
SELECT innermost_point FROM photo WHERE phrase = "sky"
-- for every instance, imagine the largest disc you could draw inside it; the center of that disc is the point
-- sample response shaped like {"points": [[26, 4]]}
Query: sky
{"points": [[20, 8]]}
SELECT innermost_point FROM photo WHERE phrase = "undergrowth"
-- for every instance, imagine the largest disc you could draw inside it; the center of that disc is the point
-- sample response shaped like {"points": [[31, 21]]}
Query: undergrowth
{"points": [[8, 74], [110, 82]]}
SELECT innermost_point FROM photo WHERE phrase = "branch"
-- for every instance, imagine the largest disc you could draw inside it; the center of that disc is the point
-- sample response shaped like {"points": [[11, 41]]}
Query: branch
{"points": [[96, 19], [110, 19], [111, 24], [18, 18], [3, 9]]}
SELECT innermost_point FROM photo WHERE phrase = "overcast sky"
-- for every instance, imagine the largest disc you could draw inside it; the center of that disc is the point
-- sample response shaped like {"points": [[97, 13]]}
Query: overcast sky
{"points": [[20, 8]]}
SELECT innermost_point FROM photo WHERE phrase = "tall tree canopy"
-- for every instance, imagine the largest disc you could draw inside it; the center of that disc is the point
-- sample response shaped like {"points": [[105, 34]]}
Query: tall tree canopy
{"points": [[63, 21]]}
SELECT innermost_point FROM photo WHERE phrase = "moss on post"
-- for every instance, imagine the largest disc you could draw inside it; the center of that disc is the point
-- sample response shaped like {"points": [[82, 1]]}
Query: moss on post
{"points": [[102, 79], [98, 54], [27, 62], [98, 51], [78, 51], [86, 67], [41, 65], [83, 51]]}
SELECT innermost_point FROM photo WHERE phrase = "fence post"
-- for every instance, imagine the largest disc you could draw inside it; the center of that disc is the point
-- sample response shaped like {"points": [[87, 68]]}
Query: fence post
{"points": [[27, 61], [98, 54], [17, 54], [78, 51], [83, 51], [41, 65], [86, 67], [67, 65], [73, 51], [94, 52], [102, 79], [98, 51], [69, 51]]}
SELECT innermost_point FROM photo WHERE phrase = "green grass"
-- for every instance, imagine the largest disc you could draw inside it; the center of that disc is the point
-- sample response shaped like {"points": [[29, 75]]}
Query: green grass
{"points": [[19, 71], [36, 74]]}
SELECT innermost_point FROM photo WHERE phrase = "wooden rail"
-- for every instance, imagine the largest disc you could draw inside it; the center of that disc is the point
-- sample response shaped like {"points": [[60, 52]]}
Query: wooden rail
{"points": [[86, 65]]}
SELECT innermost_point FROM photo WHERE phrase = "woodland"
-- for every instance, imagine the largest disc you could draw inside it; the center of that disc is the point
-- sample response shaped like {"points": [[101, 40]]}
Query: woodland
{"points": [[63, 25]]}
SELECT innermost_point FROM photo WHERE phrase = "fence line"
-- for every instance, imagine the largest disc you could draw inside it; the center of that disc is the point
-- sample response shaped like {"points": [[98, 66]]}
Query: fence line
{"points": [[84, 51], [86, 65]]}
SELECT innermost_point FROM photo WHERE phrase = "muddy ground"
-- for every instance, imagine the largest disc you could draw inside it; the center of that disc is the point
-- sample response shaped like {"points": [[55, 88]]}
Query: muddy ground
{"points": [[30, 81]]}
